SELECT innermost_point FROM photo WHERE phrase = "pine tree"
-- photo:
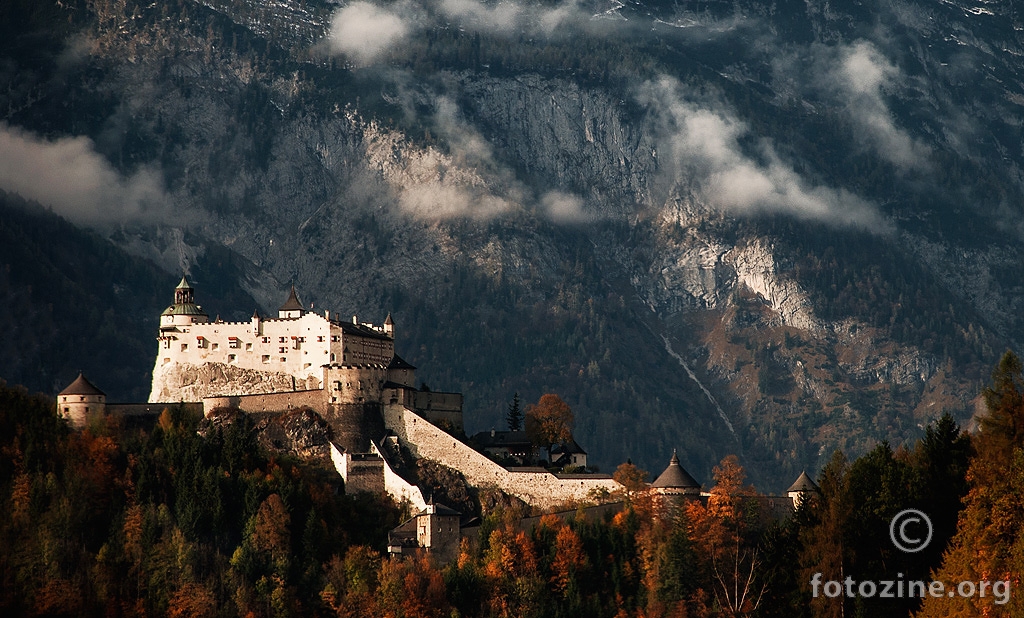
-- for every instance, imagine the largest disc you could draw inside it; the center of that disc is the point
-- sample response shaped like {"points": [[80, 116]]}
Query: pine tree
{"points": [[514, 416]]}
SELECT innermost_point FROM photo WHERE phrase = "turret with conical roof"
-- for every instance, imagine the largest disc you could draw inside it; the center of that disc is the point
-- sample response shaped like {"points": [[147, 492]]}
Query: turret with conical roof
{"points": [[802, 488], [675, 480], [80, 399], [291, 308]]}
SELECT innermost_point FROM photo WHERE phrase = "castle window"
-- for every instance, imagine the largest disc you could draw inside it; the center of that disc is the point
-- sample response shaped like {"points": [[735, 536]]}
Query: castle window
{"points": [[67, 410], [184, 347], [214, 346], [320, 339], [233, 342], [284, 360], [281, 340], [248, 347], [281, 350], [332, 358], [166, 360], [266, 358], [266, 340], [231, 358]]}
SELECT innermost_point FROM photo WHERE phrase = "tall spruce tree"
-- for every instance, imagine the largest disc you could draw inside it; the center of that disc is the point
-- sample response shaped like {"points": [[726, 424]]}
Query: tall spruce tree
{"points": [[514, 416]]}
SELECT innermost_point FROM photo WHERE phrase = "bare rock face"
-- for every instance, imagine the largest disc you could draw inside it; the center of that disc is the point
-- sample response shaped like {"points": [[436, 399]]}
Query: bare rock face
{"points": [[175, 382], [302, 432]]}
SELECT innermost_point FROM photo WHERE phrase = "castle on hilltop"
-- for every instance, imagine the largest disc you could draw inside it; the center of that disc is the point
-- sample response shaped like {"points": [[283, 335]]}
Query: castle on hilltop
{"points": [[346, 371], [303, 363]]}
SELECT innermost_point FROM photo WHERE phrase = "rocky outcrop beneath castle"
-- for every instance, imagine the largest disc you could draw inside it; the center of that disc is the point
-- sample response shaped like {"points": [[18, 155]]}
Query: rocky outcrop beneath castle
{"points": [[300, 432], [175, 382]]}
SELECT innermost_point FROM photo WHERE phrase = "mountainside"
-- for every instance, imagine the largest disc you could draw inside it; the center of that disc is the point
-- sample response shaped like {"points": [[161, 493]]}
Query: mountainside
{"points": [[770, 229]]}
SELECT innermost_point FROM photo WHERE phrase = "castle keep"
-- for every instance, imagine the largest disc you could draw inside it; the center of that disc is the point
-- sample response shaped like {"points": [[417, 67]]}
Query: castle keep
{"points": [[345, 371], [262, 355]]}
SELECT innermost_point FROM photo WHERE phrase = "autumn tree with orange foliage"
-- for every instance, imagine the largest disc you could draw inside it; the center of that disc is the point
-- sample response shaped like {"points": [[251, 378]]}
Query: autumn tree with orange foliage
{"points": [[515, 587], [549, 421], [989, 543], [411, 588], [719, 531]]}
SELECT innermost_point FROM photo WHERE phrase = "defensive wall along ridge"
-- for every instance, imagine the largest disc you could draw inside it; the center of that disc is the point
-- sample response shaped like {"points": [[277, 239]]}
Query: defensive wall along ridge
{"points": [[538, 488]]}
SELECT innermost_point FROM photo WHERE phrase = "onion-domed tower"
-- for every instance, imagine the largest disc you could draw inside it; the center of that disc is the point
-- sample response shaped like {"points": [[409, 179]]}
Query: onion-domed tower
{"points": [[184, 311]]}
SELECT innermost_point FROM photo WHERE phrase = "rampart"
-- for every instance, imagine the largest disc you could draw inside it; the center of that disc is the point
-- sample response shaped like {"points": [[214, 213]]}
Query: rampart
{"points": [[538, 488], [362, 472], [268, 402]]}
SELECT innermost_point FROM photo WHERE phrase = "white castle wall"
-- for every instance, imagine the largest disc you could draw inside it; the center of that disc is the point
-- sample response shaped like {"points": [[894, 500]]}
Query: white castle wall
{"points": [[298, 347], [394, 484], [540, 489]]}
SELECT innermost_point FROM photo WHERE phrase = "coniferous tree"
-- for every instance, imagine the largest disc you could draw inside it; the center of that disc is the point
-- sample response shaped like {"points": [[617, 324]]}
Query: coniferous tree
{"points": [[514, 416], [989, 543]]}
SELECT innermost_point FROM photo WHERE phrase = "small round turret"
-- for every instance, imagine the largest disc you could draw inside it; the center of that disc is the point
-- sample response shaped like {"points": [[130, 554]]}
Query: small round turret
{"points": [[80, 399]]}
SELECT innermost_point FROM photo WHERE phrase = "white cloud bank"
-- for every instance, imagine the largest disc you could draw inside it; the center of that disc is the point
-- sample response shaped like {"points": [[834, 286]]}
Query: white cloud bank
{"points": [[362, 32], [69, 176], [704, 146]]}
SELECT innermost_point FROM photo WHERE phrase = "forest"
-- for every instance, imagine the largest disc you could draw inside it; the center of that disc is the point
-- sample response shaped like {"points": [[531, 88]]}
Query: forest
{"points": [[146, 518]]}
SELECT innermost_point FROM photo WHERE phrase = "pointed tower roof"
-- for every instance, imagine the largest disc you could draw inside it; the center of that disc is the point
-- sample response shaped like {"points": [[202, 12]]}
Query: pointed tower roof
{"points": [[183, 284], [675, 477], [803, 483], [81, 386], [397, 362], [388, 320], [292, 304]]}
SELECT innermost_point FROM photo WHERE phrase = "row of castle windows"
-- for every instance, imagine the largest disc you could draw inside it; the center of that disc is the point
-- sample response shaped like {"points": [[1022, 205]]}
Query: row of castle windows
{"points": [[236, 344]]}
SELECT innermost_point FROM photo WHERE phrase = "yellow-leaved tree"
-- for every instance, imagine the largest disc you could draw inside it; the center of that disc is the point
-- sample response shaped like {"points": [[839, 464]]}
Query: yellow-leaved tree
{"points": [[989, 543]]}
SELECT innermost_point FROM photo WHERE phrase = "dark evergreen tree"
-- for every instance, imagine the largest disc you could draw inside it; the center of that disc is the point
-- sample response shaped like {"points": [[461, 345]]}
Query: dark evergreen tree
{"points": [[514, 416]]}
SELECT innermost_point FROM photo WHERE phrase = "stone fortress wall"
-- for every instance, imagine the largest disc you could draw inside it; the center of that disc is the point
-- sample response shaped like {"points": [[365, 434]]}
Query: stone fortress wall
{"points": [[538, 488]]}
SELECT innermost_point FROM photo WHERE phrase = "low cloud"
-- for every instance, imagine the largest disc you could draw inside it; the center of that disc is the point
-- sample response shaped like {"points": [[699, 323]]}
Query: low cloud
{"points": [[857, 79], [563, 207], [862, 74], [512, 17], [69, 176], [362, 31], [703, 148]]}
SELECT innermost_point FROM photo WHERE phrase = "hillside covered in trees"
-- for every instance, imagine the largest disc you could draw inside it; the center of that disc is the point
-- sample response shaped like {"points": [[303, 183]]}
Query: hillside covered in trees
{"points": [[153, 518]]}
